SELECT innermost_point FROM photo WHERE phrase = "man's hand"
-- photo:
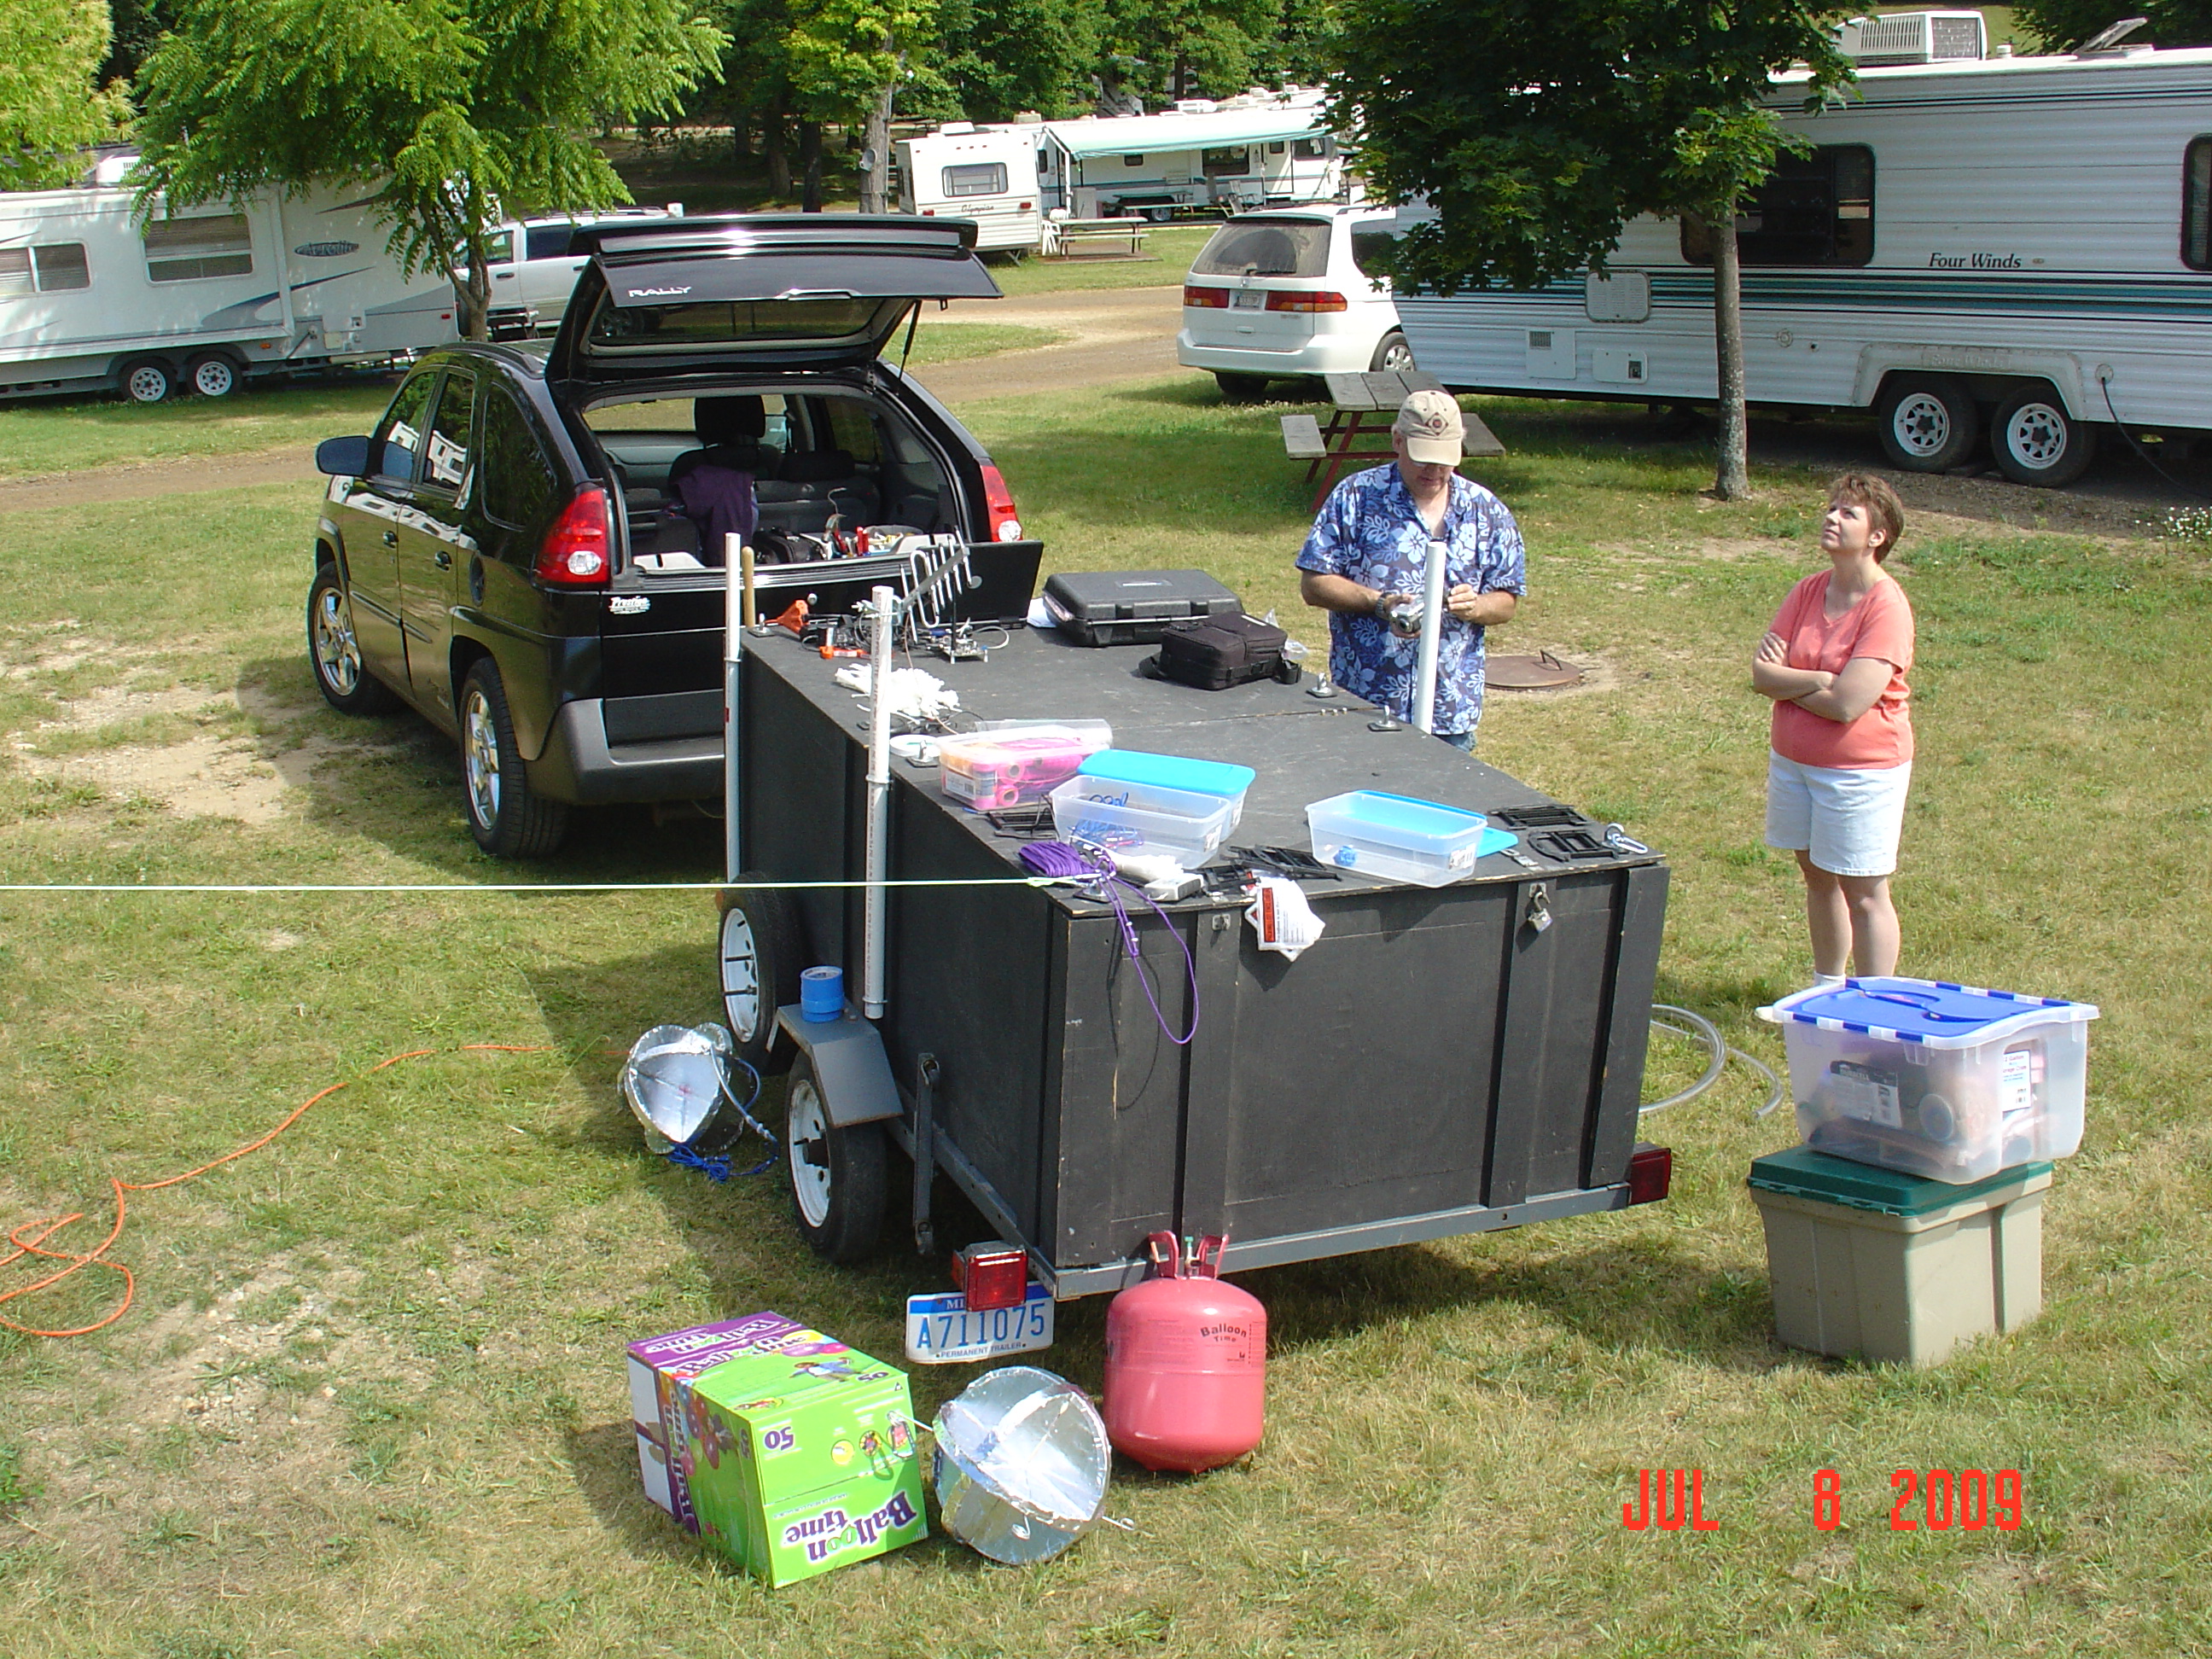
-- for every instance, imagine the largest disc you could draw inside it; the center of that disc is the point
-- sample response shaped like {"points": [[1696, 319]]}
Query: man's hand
{"points": [[1484, 610]]}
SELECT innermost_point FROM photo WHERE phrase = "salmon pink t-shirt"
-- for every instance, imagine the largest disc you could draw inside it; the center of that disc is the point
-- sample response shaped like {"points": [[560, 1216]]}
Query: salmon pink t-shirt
{"points": [[1879, 625]]}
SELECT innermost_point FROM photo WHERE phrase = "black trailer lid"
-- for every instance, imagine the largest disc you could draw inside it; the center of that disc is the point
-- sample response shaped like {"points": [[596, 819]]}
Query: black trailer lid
{"points": [[766, 291]]}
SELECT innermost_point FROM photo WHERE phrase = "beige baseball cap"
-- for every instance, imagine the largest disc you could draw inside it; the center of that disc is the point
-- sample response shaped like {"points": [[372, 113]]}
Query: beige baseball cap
{"points": [[1433, 431]]}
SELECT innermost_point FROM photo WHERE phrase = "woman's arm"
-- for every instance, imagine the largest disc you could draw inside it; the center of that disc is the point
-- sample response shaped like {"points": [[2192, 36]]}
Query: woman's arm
{"points": [[1771, 676], [1851, 693]]}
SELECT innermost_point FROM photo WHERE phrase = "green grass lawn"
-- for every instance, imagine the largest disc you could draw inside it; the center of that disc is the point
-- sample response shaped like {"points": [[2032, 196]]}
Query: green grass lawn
{"points": [[370, 1400]]}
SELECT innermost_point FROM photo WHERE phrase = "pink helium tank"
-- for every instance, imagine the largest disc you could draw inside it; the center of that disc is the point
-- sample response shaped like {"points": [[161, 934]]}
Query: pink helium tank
{"points": [[1186, 1364]]}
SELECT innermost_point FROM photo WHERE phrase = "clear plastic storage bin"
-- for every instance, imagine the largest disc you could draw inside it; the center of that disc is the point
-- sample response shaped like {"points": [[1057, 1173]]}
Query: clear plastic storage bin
{"points": [[1946, 1081], [1397, 837], [1143, 819]]}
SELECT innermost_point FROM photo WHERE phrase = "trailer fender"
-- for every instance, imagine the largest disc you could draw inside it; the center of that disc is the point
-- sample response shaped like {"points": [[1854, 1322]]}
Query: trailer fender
{"points": [[849, 1064], [1980, 367]]}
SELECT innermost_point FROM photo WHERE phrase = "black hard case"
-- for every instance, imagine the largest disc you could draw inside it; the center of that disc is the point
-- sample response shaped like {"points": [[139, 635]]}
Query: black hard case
{"points": [[1132, 607]]}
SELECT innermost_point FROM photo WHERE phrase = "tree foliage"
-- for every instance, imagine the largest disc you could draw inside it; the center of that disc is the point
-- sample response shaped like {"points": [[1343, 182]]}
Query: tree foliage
{"points": [[453, 111], [2062, 25], [51, 107]]}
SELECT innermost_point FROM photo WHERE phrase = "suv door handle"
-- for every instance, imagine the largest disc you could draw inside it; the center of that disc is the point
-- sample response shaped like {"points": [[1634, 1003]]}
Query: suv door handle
{"points": [[442, 559], [392, 539]]}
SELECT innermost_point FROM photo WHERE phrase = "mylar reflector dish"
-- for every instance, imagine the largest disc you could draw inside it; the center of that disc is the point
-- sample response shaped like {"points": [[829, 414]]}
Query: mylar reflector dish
{"points": [[676, 1080], [1021, 1467]]}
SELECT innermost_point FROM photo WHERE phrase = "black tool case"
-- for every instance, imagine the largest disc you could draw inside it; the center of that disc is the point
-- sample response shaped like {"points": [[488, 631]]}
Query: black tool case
{"points": [[1132, 607]]}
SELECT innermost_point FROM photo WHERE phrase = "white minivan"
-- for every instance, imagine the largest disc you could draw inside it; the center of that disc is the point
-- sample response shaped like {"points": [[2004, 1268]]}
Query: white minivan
{"points": [[1289, 293], [533, 273]]}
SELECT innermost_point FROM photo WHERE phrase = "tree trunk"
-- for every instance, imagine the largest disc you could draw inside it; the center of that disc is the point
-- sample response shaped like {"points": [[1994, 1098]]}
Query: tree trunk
{"points": [[875, 154], [1732, 480], [809, 161], [776, 148]]}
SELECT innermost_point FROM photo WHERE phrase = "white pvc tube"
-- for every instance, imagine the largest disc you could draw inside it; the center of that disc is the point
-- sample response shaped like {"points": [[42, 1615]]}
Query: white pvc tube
{"points": [[733, 651], [879, 803], [1432, 627]]}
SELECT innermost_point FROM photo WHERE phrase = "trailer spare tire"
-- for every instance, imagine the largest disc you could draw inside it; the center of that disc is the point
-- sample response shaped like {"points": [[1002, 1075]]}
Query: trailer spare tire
{"points": [[2037, 442], [1928, 422]]}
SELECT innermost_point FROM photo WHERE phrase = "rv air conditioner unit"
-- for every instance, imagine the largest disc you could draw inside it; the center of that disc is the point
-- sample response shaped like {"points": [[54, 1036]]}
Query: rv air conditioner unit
{"points": [[1914, 37]]}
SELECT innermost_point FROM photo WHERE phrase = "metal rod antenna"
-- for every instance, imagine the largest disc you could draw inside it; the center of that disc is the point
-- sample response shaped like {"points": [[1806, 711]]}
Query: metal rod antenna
{"points": [[733, 651], [1432, 628], [884, 601]]}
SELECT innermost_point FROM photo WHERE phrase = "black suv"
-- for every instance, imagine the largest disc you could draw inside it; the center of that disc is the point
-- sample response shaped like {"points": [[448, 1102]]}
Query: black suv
{"points": [[508, 552]]}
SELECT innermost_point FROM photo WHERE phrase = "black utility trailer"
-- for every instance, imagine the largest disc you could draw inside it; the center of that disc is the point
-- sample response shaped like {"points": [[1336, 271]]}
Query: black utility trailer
{"points": [[1443, 1061]]}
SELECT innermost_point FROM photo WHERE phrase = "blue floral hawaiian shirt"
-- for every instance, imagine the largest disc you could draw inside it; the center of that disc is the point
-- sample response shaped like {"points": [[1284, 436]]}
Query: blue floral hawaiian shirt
{"points": [[1370, 531]]}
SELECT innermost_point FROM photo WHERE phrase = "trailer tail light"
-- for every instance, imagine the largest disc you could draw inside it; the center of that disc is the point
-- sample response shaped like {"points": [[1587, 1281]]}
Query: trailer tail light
{"points": [[1282, 301], [992, 1275], [1650, 1173], [1005, 520], [1206, 299], [576, 552]]}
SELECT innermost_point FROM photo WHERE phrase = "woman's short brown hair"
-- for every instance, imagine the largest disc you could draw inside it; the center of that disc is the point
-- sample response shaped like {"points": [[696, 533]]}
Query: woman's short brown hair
{"points": [[1880, 503]]}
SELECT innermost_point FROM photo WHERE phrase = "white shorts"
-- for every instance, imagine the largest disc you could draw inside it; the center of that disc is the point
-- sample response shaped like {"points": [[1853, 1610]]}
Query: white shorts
{"points": [[1848, 818]]}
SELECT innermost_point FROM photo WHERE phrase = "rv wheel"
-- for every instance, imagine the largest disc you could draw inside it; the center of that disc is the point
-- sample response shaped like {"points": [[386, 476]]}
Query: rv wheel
{"points": [[2037, 442], [212, 376], [1927, 422], [146, 381]]}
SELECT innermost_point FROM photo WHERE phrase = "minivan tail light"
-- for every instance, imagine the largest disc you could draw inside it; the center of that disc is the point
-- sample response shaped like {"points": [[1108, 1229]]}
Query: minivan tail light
{"points": [[1206, 299], [577, 551], [1284, 301], [999, 504]]}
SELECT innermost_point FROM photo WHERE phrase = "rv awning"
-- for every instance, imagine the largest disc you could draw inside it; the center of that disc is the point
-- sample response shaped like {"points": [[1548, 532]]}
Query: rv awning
{"points": [[1137, 134]]}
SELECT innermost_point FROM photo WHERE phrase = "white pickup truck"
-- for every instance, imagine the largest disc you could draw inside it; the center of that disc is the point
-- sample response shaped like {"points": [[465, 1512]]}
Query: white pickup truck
{"points": [[532, 272]]}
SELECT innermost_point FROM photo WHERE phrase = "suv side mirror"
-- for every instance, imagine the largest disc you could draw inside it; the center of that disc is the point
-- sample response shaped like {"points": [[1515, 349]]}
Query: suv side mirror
{"points": [[343, 457]]}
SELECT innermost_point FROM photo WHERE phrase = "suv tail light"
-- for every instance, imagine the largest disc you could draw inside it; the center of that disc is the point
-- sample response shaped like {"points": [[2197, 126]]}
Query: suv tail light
{"points": [[1282, 301], [1650, 1173], [1206, 299], [998, 503], [578, 551]]}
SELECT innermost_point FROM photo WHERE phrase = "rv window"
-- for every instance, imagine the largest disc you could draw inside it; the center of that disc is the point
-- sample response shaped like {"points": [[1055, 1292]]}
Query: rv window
{"points": [[1813, 209], [2197, 205], [399, 435], [1266, 248], [1309, 149], [43, 269], [1370, 248], [547, 241], [187, 250], [445, 456], [977, 179], [517, 485], [1277, 148], [1235, 158], [1133, 161]]}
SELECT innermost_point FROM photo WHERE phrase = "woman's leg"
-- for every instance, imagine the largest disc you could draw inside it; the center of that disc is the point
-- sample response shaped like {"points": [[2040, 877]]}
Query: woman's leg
{"points": [[1827, 914], [1873, 929]]}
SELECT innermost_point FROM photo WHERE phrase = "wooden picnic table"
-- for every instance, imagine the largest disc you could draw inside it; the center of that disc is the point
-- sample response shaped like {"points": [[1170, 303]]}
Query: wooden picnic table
{"points": [[1365, 405]]}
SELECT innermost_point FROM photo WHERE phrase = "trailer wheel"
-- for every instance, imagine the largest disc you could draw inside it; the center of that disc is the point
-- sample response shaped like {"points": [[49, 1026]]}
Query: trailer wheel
{"points": [[509, 819], [146, 381], [2037, 443], [1393, 355], [1159, 215], [762, 953], [838, 1175], [346, 684], [213, 375], [1927, 422]]}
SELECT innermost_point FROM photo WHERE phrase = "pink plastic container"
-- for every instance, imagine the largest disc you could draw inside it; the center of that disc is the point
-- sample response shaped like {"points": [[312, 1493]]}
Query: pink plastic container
{"points": [[1186, 1364]]}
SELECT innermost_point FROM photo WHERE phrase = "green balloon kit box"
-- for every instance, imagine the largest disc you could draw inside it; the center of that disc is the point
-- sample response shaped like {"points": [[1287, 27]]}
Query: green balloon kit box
{"points": [[793, 1453]]}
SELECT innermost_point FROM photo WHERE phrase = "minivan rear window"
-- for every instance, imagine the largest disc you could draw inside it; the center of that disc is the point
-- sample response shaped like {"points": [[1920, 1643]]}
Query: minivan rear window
{"points": [[1266, 248], [735, 323]]}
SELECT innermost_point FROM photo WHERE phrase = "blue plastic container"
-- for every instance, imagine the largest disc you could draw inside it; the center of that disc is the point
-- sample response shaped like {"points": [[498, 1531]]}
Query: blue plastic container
{"points": [[1194, 777], [821, 994]]}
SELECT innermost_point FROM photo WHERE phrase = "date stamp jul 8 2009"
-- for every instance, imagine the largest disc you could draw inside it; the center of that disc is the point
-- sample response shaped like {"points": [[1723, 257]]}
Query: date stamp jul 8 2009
{"points": [[1932, 1500]]}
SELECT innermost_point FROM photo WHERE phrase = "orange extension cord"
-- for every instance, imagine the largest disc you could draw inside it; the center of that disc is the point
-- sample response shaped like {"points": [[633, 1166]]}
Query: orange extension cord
{"points": [[30, 1239]]}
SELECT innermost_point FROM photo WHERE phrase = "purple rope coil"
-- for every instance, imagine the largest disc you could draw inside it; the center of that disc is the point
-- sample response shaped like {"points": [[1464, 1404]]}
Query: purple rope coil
{"points": [[1062, 859]]}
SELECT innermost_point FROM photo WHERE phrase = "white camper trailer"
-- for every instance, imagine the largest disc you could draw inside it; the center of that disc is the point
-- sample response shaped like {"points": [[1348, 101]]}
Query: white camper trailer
{"points": [[90, 297], [988, 174], [2018, 248], [1272, 150]]}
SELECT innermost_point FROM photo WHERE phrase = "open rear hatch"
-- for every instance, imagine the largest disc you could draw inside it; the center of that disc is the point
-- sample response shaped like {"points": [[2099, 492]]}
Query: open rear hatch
{"points": [[757, 291]]}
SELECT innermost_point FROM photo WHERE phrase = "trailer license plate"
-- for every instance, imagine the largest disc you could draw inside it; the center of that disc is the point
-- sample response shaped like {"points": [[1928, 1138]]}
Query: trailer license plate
{"points": [[944, 1330], [1249, 298]]}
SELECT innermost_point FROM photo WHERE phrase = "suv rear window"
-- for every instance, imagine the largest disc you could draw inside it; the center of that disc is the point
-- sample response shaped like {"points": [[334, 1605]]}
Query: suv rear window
{"points": [[734, 323], [1266, 248]]}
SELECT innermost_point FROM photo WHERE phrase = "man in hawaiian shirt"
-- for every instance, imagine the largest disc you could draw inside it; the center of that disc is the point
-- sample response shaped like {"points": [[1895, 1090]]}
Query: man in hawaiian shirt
{"points": [[1370, 547]]}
